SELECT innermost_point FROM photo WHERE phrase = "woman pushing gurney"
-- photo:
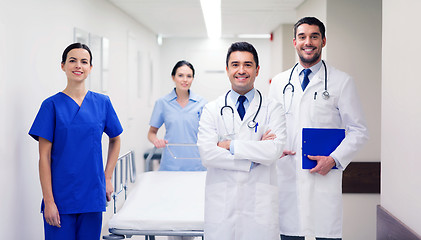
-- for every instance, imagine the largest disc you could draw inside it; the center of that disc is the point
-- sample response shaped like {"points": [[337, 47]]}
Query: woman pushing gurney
{"points": [[180, 111]]}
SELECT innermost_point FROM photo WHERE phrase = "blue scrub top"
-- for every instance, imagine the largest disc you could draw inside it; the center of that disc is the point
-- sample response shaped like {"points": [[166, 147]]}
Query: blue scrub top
{"points": [[77, 170], [181, 126]]}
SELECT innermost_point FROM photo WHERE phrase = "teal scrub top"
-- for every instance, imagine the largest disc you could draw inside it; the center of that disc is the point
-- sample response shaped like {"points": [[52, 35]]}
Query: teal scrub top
{"points": [[181, 126], [77, 170]]}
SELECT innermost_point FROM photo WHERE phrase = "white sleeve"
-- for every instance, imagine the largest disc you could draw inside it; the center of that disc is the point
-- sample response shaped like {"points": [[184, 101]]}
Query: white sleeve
{"points": [[353, 120], [267, 151], [207, 140]]}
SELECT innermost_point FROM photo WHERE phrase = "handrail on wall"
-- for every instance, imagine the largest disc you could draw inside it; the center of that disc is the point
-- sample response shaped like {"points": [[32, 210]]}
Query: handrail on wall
{"points": [[121, 178]]}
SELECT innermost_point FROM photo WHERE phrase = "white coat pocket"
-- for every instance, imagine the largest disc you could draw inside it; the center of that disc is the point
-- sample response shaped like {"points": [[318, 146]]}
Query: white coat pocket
{"points": [[266, 205], [215, 202], [324, 111]]}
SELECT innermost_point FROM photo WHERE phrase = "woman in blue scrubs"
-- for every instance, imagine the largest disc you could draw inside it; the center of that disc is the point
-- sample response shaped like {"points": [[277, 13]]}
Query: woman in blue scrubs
{"points": [[69, 128], [180, 111]]}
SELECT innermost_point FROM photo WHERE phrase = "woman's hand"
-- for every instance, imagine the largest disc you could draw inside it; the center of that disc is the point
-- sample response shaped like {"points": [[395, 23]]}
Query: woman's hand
{"points": [[159, 143], [109, 189], [152, 137], [51, 214], [113, 151]]}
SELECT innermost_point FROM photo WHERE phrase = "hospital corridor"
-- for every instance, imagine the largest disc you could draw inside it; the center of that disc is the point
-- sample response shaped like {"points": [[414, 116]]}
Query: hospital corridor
{"points": [[151, 79]]}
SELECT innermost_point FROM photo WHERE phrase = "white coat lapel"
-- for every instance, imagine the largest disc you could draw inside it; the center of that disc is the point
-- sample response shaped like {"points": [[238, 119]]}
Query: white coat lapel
{"points": [[251, 110], [296, 102], [319, 77]]}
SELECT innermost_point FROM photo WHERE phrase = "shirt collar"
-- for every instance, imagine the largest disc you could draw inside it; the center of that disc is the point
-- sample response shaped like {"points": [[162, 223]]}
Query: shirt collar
{"points": [[249, 95], [173, 95], [193, 96], [314, 69]]}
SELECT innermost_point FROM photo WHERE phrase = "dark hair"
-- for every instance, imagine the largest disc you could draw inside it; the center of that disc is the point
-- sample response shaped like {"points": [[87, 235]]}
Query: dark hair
{"points": [[74, 46], [243, 47], [180, 64], [310, 21]]}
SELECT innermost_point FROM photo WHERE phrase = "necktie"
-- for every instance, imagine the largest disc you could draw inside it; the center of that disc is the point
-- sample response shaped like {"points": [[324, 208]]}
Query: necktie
{"points": [[241, 110], [305, 79]]}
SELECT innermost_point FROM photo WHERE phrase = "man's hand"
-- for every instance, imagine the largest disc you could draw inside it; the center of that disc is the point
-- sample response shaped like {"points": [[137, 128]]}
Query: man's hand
{"points": [[268, 136], [224, 144], [324, 164], [287, 152]]}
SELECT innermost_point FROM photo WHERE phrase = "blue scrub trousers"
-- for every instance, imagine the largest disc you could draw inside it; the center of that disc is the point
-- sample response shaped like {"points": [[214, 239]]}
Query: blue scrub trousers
{"points": [[82, 226], [283, 237]]}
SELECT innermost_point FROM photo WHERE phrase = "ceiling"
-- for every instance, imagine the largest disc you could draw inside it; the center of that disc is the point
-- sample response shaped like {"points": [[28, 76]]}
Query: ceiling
{"points": [[183, 18]]}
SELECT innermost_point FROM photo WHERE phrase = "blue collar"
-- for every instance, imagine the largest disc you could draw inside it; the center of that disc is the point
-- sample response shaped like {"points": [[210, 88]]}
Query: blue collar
{"points": [[173, 95], [249, 95]]}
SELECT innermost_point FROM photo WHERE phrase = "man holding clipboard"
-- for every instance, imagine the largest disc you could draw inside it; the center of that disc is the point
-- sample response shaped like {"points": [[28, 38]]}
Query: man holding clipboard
{"points": [[320, 102]]}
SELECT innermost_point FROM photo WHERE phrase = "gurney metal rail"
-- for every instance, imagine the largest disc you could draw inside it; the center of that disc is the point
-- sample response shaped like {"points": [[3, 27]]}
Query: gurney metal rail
{"points": [[153, 154], [121, 178], [121, 181], [119, 234]]}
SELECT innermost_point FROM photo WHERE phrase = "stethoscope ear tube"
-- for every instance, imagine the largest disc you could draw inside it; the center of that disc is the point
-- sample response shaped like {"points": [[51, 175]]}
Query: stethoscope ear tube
{"points": [[289, 81], [226, 105], [253, 122]]}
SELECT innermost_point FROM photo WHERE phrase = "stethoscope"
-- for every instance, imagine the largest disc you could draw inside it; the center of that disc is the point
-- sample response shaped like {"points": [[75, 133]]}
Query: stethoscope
{"points": [[325, 94], [252, 123]]}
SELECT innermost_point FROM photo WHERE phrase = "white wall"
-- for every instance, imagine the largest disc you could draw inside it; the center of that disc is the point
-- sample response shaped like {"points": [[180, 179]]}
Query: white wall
{"points": [[349, 26], [282, 50], [34, 34], [401, 112], [208, 58]]}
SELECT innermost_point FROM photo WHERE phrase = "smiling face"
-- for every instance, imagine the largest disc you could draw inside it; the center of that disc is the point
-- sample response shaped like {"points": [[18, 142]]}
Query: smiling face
{"points": [[242, 71], [77, 66], [309, 43], [183, 78]]}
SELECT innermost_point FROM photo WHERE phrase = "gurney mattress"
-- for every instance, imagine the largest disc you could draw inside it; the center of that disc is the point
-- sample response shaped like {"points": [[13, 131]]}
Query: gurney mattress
{"points": [[163, 200]]}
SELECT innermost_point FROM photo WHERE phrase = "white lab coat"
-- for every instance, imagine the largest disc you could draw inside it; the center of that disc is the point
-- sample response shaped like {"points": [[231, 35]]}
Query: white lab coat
{"points": [[311, 204], [241, 203]]}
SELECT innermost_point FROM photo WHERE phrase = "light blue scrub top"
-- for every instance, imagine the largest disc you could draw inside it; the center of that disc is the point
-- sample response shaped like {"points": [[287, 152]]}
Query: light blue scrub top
{"points": [[181, 126], [77, 170]]}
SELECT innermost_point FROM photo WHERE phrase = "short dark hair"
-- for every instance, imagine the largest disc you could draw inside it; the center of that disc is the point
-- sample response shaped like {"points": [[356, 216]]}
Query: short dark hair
{"points": [[243, 47], [180, 64], [74, 46], [310, 21]]}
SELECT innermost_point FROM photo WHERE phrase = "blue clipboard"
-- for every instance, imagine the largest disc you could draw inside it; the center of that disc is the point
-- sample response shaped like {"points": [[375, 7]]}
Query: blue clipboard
{"points": [[320, 142]]}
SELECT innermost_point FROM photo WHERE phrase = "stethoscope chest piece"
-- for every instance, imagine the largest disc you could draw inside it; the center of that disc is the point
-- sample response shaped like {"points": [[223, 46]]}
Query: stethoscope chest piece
{"points": [[326, 95], [251, 124]]}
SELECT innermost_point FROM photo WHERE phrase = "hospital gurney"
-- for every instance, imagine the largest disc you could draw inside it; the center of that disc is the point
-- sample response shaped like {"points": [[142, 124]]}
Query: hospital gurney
{"points": [[162, 204]]}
